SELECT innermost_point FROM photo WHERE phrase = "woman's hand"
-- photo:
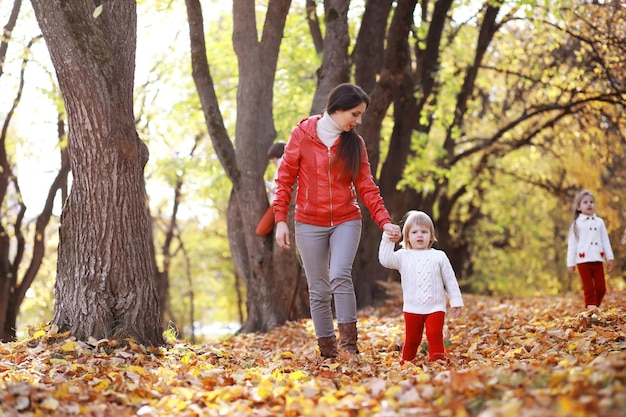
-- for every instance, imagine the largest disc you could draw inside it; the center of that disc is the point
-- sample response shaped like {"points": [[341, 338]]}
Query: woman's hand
{"points": [[282, 235], [393, 231]]}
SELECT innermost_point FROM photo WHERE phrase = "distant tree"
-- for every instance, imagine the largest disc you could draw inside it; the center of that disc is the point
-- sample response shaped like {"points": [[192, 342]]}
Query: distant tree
{"points": [[105, 278]]}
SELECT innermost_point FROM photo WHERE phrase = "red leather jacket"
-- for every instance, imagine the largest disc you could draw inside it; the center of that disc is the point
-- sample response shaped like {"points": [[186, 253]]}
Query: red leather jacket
{"points": [[324, 197]]}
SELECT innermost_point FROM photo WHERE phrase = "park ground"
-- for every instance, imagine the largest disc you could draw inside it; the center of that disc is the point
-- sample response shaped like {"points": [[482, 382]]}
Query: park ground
{"points": [[536, 357]]}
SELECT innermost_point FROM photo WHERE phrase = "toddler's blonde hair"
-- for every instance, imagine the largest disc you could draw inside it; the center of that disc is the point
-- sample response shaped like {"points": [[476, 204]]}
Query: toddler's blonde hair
{"points": [[416, 218]]}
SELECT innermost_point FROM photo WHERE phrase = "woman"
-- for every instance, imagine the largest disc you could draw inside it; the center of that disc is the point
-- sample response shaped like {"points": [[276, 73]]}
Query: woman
{"points": [[328, 160]]}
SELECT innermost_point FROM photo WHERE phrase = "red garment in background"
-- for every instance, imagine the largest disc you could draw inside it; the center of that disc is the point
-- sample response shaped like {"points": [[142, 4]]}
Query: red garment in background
{"points": [[266, 224]]}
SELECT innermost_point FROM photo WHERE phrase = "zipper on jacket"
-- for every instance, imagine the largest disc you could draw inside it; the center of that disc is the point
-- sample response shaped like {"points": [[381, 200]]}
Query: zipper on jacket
{"points": [[330, 189]]}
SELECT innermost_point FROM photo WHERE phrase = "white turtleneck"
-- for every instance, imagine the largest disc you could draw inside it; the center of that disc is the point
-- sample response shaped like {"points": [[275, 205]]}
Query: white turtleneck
{"points": [[328, 130]]}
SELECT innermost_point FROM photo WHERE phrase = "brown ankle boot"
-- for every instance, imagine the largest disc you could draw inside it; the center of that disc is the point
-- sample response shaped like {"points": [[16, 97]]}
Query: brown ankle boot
{"points": [[348, 337], [328, 346]]}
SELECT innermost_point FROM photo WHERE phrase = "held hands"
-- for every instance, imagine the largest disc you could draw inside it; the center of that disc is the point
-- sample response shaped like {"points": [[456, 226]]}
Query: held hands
{"points": [[282, 235], [393, 231]]}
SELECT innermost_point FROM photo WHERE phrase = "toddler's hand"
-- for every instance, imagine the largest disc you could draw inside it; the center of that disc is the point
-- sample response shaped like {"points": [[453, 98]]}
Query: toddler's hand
{"points": [[456, 311], [609, 265]]}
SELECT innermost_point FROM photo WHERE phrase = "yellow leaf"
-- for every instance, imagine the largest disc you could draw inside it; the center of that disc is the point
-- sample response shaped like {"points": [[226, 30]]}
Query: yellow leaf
{"points": [[69, 346], [131, 342], [264, 389], [97, 12], [393, 391], [568, 406], [296, 376], [39, 333], [329, 399], [137, 369], [186, 393], [102, 385]]}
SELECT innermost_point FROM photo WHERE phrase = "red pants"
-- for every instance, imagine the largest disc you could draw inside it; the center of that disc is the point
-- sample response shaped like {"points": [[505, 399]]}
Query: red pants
{"points": [[434, 334], [594, 285], [266, 224]]}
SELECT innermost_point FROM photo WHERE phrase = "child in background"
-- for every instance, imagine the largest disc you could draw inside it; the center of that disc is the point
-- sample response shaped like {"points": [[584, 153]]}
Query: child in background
{"points": [[426, 275], [588, 246], [275, 155]]}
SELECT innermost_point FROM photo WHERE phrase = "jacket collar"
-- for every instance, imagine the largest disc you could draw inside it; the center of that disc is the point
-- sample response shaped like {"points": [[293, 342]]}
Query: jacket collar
{"points": [[309, 125]]}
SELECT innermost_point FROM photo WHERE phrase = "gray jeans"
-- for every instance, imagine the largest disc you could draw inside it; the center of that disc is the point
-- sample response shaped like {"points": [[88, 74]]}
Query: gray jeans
{"points": [[327, 255]]}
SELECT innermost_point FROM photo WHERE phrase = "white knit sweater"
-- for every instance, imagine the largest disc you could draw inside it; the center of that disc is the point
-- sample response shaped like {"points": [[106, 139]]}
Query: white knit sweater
{"points": [[426, 277]]}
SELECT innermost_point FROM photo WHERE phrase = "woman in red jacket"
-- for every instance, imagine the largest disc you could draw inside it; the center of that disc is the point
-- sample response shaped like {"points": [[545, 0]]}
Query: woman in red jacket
{"points": [[328, 160]]}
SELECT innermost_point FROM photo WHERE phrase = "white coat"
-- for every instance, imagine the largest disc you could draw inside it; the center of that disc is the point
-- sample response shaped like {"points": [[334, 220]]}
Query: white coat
{"points": [[590, 243]]}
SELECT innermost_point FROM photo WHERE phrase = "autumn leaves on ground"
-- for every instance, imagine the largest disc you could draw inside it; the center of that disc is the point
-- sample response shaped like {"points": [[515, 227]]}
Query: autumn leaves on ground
{"points": [[508, 357]]}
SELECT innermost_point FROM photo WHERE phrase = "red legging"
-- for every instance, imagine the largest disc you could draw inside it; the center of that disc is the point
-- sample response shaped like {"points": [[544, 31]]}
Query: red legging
{"points": [[434, 334], [594, 285]]}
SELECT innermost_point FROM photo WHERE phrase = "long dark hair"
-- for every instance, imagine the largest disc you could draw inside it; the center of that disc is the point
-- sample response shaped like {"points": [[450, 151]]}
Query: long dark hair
{"points": [[345, 97]]}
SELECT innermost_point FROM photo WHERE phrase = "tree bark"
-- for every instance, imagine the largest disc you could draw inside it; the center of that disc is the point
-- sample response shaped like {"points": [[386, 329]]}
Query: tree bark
{"points": [[369, 50], [314, 26], [335, 67], [105, 278]]}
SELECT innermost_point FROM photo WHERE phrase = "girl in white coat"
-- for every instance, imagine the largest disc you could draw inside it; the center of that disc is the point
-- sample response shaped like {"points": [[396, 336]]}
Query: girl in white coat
{"points": [[588, 246]]}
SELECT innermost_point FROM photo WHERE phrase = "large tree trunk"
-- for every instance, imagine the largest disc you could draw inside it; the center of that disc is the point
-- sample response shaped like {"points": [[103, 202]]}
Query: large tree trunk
{"points": [[105, 279]]}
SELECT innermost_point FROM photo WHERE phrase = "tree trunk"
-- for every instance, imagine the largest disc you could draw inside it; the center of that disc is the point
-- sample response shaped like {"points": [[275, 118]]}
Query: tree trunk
{"points": [[105, 278], [369, 50], [335, 66]]}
